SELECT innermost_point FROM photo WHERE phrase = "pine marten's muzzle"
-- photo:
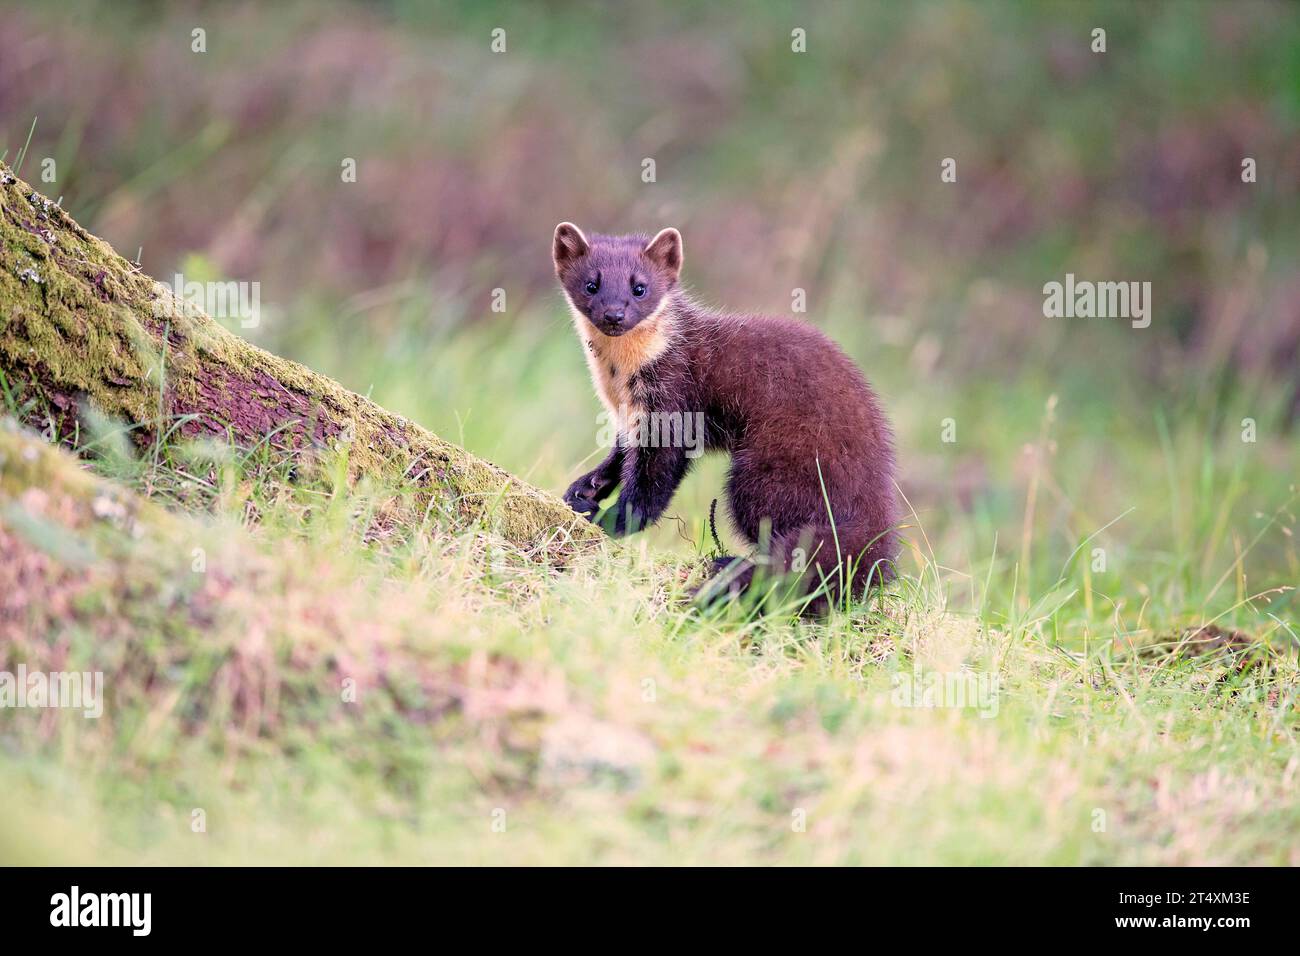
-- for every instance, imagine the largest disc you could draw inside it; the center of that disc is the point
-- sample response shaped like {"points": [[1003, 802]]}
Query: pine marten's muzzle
{"points": [[613, 321]]}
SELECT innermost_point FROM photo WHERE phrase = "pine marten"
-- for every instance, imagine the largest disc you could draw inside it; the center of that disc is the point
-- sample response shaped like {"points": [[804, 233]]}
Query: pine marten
{"points": [[812, 461]]}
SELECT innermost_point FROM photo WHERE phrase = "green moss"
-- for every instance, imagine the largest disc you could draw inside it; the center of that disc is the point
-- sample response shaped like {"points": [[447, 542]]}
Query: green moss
{"points": [[92, 329]]}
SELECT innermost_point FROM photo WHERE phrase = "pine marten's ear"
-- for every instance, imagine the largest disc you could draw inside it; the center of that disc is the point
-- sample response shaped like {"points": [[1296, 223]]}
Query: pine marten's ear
{"points": [[665, 251], [570, 244]]}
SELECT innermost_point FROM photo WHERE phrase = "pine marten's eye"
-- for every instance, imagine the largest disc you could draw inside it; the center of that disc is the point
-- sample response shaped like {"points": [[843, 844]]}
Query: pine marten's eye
{"points": [[593, 286], [638, 289]]}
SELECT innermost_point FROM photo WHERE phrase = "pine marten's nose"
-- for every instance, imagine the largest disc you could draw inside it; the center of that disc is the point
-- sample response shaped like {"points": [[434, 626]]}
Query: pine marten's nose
{"points": [[614, 315]]}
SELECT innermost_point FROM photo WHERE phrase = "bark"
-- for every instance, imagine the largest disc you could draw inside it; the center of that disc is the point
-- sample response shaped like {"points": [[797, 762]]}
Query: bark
{"points": [[79, 324]]}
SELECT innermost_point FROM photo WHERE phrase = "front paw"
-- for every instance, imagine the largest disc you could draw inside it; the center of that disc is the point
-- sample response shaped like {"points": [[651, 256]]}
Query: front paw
{"points": [[583, 497], [621, 520], [584, 506]]}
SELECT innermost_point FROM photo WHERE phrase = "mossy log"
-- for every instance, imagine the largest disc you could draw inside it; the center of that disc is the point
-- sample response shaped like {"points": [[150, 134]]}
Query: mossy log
{"points": [[80, 324]]}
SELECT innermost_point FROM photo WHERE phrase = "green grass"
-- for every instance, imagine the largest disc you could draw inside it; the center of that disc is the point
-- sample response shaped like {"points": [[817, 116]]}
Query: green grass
{"points": [[613, 722]]}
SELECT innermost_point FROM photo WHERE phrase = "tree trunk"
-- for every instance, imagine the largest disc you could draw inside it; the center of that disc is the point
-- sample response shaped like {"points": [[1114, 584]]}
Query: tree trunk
{"points": [[79, 324]]}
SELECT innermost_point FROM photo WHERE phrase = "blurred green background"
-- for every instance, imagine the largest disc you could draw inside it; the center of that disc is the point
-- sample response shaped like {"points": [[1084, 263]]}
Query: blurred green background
{"points": [[817, 170]]}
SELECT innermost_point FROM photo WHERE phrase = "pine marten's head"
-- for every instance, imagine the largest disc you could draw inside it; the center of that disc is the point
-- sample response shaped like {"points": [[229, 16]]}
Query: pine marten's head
{"points": [[617, 281]]}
